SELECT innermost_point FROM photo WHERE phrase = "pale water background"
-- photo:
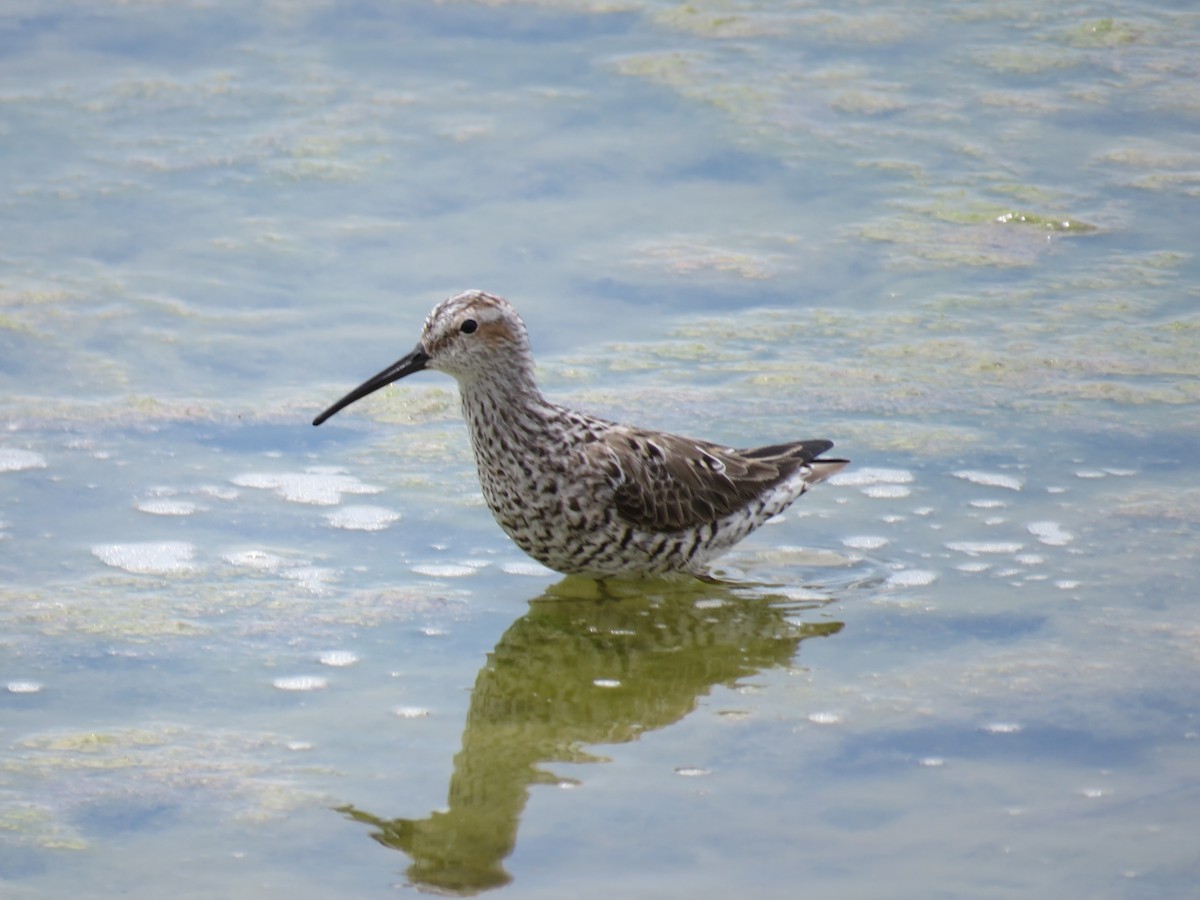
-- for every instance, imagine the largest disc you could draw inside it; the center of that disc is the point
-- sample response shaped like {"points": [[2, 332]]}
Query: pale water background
{"points": [[242, 657]]}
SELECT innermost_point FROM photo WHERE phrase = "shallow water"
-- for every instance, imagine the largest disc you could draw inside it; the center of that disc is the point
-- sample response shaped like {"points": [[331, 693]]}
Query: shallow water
{"points": [[245, 657]]}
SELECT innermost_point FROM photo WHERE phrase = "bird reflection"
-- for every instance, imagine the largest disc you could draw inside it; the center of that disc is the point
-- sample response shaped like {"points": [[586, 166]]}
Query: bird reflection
{"points": [[575, 672]]}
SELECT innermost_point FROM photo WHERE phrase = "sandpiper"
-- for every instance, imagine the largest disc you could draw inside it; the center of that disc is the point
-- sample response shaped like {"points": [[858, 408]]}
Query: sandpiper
{"points": [[580, 494]]}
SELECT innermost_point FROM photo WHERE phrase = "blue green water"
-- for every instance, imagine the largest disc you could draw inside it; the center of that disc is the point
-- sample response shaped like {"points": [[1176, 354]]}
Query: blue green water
{"points": [[240, 656]]}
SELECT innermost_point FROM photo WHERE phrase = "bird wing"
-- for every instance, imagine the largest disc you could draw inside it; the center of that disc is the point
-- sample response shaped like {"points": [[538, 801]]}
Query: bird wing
{"points": [[664, 482]]}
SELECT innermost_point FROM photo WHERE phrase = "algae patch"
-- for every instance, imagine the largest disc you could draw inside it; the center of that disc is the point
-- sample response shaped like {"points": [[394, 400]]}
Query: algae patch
{"points": [[53, 779]]}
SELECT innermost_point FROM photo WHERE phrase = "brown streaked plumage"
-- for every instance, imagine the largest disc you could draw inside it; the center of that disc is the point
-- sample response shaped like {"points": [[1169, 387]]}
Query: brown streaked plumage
{"points": [[583, 495]]}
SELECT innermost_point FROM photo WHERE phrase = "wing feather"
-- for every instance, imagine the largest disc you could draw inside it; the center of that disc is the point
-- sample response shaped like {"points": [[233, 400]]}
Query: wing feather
{"points": [[669, 483]]}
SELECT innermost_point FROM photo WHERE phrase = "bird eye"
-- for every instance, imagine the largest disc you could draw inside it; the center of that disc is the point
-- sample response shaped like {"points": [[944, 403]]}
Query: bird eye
{"points": [[468, 327]]}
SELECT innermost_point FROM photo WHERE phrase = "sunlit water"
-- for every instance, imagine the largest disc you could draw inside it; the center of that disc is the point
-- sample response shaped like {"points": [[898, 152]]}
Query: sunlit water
{"points": [[243, 657]]}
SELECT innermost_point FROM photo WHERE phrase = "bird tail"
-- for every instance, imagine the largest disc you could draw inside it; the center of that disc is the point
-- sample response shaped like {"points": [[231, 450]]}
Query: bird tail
{"points": [[823, 468], [806, 453]]}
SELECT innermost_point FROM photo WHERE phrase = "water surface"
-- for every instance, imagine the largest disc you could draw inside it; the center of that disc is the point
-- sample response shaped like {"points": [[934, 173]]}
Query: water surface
{"points": [[243, 657]]}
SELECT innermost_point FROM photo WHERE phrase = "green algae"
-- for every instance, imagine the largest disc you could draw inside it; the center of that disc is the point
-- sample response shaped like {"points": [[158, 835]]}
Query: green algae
{"points": [[910, 168], [1067, 359], [406, 456], [954, 228], [868, 102], [1164, 503], [1127, 394], [144, 610], [918, 243], [653, 354], [1049, 223], [1030, 101], [30, 309], [864, 27], [242, 775], [1186, 184], [34, 824], [757, 102], [1028, 60], [413, 405], [600, 7], [751, 257], [903, 436], [1027, 194], [1128, 272], [963, 208], [1181, 94], [725, 19], [675, 68], [13, 323], [1162, 349], [720, 19], [1104, 33]]}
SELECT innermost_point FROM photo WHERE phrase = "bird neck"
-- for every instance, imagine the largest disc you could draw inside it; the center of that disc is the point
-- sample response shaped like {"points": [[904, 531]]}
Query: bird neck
{"points": [[511, 396]]}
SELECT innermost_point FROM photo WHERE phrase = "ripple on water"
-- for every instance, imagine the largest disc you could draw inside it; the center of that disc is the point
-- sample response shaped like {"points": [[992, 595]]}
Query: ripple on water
{"points": [[527, 567], [974, 548], [162, 507], [1050, 533], [151, 558], [444, 570], [256, 559], [311, 578], [338, 658], [872, 475], [865, 542], [362, 518], [218, 492], [990, 479], [318, 485], [825, 718], [411, 712], [911, 578], [886, 491], [301, 683], [798, 594], [12, 460]]}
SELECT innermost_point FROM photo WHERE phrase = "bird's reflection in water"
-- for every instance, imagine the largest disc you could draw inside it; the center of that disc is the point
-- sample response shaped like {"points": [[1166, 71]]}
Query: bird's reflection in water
{"points": [[573, 672]]}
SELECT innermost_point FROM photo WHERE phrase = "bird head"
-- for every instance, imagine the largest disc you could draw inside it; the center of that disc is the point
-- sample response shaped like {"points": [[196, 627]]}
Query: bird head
{"points": [[471, 336]]}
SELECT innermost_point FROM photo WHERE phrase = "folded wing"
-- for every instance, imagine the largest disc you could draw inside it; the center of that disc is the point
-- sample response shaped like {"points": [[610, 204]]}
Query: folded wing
{"points": [[669, 483]]}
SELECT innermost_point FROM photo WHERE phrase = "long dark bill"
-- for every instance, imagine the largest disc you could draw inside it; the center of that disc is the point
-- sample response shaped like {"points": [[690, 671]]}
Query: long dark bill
{"points": [[414, 362]]}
